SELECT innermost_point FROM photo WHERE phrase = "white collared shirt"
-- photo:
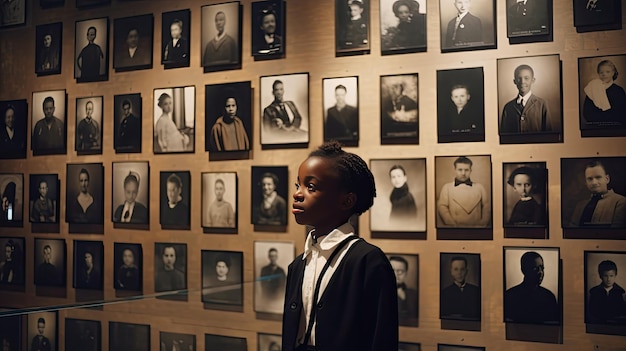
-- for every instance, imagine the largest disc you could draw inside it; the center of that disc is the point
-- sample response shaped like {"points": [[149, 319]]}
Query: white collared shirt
{"points": [[268, 200], [131, 52], [524, 99], [10, 132], [218, 37], [127, 207]]}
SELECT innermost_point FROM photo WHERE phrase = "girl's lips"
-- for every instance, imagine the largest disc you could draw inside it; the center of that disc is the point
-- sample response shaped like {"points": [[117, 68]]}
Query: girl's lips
{"points": [[297, 209]]}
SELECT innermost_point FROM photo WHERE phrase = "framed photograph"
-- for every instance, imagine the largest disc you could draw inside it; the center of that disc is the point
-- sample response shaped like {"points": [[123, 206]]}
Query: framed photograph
{"points": [[127, 114], [131, 190], [82, 334], [463, 191], [129, 336], [49, 124], [13, 128], [128, 266], [594, 15], [170, 267], [174, 120], [467, 25], [175, 199], [12, 262], [42, 331], [592, 194], [531, 107], [269, 205], [602, 100], [460, 105], [532, 281], [408, 346], [271, 259], [399, 112], [51, 3], [89, 125], [177, 341], [220, 342], [352, 26], [12, 190], [132, 43], [459, 281], [269, 342], [402, 26], [446, 347], [91, 3], [406, 269], [341, 110], [221, 36], [48, 44], [45, 195], [12, 13], [530, 18], [219, 201], [84, 193], [50, 262], [268, 29], [285, 109], [222, 277], [525, 194], [91, 50], [88, 264], [175, 38], [401, 202], [604, 288], [228, 117], [11, 332]]}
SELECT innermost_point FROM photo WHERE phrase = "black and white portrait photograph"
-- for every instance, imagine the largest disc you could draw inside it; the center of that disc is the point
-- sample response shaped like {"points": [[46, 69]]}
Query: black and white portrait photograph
{"points": [[269, 195], [89, 125], [446, 347], [528, 18], [48, 123], [531, 285], [175, 38], [177, 341], [268, 29], [174, 120], [460, 105], [467, 25], [214, 342], [82, 334], [51, 3], [459, 281], [409, 346], [269, 342], [529, 100], [128, 122], [13, 128], [285, 109], [128, 266], [221, 36], [604, 287], [341, 109], [91, 50], [42, 331], [50, 262], [602, 100], [463, 191], [593, 193], [12, 262], [524, 188], [271, 259], [12, 13], [400, 204], [12, 191], [352, 26], [399, 109], [129, 336], [219, 200], [131, 195], [132, 43], [45, 195], [406, 269], [48, 44], [228, 117], [84, 193], [88, 264], [91, 3], [594, 15], [222, 277], [175, 199], [170, 267], [402, 26], [11, 333]]}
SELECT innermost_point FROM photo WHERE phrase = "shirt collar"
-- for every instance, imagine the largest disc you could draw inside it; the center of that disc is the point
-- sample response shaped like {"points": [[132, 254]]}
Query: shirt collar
{"points": [[525, 97], [328, 242]]}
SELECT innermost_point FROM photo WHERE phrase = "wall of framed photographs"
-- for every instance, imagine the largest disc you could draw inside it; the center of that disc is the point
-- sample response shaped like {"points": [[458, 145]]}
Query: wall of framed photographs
{"points": [[312, 58]]}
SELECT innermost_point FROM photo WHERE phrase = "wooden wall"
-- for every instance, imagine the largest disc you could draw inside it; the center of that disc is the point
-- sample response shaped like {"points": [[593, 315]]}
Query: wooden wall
{"points": [[310, 48]]}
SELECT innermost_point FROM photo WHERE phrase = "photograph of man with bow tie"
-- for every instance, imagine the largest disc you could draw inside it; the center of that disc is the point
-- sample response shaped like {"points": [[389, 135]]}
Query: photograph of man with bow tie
{"points": [[283, 122], [528, 17]]}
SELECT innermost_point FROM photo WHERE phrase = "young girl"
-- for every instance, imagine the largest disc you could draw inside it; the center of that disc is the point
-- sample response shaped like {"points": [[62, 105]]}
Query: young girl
{"points": [[131, 211], [527, 211], [605, 101], [341, 292]]}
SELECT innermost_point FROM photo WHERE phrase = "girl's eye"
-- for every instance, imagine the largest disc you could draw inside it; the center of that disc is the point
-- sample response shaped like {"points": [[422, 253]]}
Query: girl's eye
{"points": [[310, 187]]}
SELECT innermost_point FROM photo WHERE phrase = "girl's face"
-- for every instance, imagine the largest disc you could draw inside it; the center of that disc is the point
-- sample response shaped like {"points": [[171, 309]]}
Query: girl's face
{"points": [[268, 185], [404, 14], [398, 178], [83, 180], [522, 185], [231, 107], [166, 105], [221, 269], [130, 191], [176, 31], [128, 257], [605, 73]]}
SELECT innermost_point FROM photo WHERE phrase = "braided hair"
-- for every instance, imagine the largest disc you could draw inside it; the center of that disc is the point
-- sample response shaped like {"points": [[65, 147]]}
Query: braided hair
{"points": [[354, 175]]}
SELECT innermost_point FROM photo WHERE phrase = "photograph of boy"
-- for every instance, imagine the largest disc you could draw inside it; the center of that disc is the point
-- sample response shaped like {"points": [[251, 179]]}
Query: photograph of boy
{"points": [[128, 266], [219, 200], [408, 298], [341, 104], [11, 199], [47, 48], [88, 125], [605, 297], [49, 131], [13, 126], [85, 193], [333, 185], [222, 275], [527, 112], [528, 17], [399, 113], [175, 39], [268, 28], [42, 331], [44, 197], [82, 334], [12, 264], [132, 40], [467, 24], [50, 262], [525, 194], [351, 25], [460, 297], [403, 26], [221, 34], [175, 200], [130, 192], [228, 117], [91, 50], [128, 121]]}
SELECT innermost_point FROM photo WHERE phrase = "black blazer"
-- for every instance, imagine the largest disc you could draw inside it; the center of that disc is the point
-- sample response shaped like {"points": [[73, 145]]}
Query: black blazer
{"points": [[470, 31], [358, 309]]}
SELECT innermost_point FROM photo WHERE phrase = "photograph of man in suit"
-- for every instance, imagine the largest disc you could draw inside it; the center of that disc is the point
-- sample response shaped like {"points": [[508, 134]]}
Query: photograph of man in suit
{"points": [[464, 29], [177, 49], [129, 132], [222, 49], [47, 273], [133, 53], [281, 116], [342, 120], [40, 342], [48, 59], [407, 296], [49, 132], [527, 17], [273, 277], [267, 41], [11, 139], [43, 209], [461, 299]]}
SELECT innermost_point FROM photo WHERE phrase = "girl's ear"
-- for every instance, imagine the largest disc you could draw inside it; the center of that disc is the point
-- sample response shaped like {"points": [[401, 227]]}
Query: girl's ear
{"points": [[348, 201]]}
